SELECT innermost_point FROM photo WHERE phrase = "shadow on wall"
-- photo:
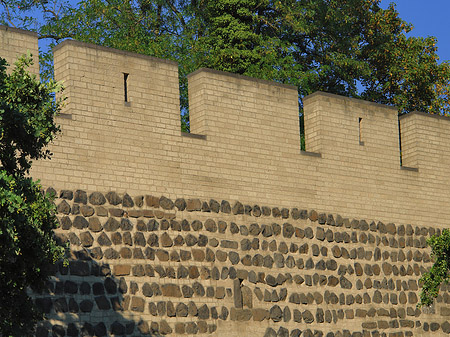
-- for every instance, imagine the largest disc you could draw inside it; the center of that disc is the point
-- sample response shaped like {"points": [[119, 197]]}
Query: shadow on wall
{"points": [[84, 298]]}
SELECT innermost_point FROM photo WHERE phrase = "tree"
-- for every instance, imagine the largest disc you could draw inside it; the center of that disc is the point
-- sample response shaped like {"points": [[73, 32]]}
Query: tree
{"points": [[27, 216]]}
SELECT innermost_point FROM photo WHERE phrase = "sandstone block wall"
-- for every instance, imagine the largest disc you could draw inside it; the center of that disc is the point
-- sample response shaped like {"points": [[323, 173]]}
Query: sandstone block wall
{"points": [[232, 230]]}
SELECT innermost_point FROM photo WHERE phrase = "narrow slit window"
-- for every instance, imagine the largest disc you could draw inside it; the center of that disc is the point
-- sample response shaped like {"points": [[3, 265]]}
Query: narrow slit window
{"points": [[125, 86], [360, 131]]}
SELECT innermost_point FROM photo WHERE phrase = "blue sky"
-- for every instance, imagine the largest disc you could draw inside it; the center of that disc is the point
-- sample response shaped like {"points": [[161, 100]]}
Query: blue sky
{"points": [[429, 18]]}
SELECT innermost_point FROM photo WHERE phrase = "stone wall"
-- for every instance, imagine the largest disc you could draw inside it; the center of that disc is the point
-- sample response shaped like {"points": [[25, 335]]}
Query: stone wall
{"points": [[149, 265], [232, 230]]}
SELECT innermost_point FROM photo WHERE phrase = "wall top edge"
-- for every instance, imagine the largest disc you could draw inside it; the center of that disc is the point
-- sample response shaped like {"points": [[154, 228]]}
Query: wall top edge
{"points": [[18, 30], [350, 99], [242, 77], [421, 113], [111, 50]]}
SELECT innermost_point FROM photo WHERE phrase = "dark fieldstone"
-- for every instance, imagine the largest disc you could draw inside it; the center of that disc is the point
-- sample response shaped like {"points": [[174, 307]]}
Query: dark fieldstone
{"points": [[203, 312], [76, 209], [181, 310], [95, 225], [153, 240], [320, 234], [198, 289], [238, 208], [113, 198], [63, 207], [193, 272], [276, 213], [72, 330], [80, 197], [270, 333], [210, 226], [166, 240], [275, 313], [192, 309], [187, 291], [102, 302], [80, 222], [86, 306], [284, 213], [66, 194], [205, 207], [117, 329], [234, 257], [446, 327], [116, 212], [166, 203], [180, 204], [111, 253], [100, 329], [225, 207], [70, 287], [111, 225], [79, 268], [97, 198], [288, 230], [60, 305], [254, 229], [58, 331], [307, 317], [197, 225], [193, 205], [86, 239], [128, 201], [309, 234], [65, 223], [170, 309], [74, 240]]}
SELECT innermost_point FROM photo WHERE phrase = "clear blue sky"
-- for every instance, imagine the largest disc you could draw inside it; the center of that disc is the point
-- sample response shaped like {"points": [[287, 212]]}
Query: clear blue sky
{"points": [[429, 18]]}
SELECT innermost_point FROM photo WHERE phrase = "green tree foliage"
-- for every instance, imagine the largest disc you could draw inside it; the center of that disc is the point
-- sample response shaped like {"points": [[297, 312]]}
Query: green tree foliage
{"points": [[439, 272], [27, 220]]}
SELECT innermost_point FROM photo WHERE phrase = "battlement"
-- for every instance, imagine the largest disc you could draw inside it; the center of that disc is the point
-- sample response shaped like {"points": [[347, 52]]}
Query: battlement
{"points": [[121, 131]]}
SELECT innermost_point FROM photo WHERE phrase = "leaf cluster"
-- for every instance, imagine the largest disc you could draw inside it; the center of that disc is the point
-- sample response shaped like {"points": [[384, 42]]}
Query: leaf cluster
{"points": [[27, 216], [27, 109], [439, 272]]}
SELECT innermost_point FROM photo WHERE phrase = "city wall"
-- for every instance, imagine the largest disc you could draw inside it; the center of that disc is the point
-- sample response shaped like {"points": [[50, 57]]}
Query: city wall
{"points": [[232, 230]]}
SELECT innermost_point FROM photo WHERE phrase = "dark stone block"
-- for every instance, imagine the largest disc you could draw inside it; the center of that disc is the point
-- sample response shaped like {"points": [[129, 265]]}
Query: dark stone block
{"points": [[97, 198], [66, 194], [111, 254], [113, 198], [58, 331], [86, 306], [63, 208], [80, 197], [307, 317], [276, 314], [79, 268], [80, 222], [60, 305]]}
